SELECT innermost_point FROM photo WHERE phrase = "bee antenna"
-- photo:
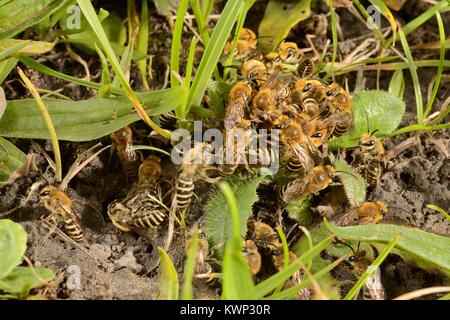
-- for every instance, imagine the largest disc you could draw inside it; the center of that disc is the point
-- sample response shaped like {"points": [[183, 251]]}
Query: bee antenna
{"points": [[232, 66], [279, 43], [349, 173], [367, 119], [339, 241], [373, 132]]}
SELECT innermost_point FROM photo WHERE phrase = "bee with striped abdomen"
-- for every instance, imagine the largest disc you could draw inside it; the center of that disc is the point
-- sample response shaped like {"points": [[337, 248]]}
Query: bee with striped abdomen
{"points": [[240, 95], [255, 72], [142, 207], [60, 207], [253, 257], [290, 53], [246, 45], [367, 158], [368, 213]]}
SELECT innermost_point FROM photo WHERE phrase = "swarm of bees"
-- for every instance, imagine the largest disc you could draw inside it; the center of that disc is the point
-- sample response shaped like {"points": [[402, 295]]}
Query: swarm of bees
{"points": [[277, 93]]}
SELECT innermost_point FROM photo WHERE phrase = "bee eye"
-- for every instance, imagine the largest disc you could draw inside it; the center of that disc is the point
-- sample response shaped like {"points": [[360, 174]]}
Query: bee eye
{"points": [[317, 135], [329, 93], [290, 53], [307, 87], [45, 193], [277, 59]]}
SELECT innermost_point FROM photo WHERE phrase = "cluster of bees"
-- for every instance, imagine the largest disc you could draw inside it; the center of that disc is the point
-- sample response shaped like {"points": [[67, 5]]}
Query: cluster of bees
{"points": [[277, 91]]}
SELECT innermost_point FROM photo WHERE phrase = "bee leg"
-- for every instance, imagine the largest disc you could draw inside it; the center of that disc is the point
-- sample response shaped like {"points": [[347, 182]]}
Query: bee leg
{"points": [[116, 223]]}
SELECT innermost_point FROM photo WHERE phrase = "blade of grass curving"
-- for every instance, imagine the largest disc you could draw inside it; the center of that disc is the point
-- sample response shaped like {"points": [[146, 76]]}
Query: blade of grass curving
{"points": [[310, 244], [285, 254], [421, 19], [176, 43], [420, 127], [231, 199], [333, 35], [387, 13], [183, 109], [48, 121], [214, 50], [168, 283], [207, 7], [397, 84], [422, 292], [142, 42], [288, 293], [201, 22], [187, 292], [91, 17], [415, 77], [441, 65], [366, 16], [6, 53], [371, 269], [6, 67], [274, 281], [29, 62], [139, 147], [440, 210]]}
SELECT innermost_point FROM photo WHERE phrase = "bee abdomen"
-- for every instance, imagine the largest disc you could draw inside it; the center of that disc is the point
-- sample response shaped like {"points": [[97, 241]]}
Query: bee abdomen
{"points": [[73, 230], [305, 68], [149, 218], [294, 165], [227, 169], [372, 172], [167, 119], [185, 191], [130, 163]]}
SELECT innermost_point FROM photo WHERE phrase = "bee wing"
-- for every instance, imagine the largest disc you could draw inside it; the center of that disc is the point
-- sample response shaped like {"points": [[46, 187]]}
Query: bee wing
{"points": [[296, 188], [303, 155], [347, 218], [69, 211], [373, 288], [233, 115]]}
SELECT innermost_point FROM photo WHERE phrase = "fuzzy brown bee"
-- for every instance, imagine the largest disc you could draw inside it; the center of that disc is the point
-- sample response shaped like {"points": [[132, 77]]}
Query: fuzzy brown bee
{"points": [[245, 46], [310, 96], [142, 207], [60, 207], [338, 109], [195, 166], [320, 178], [373, 288], [264, 236], [305, 68], [122, 143], [253, 257], [255, 72], [203, 272], [367, 213], [240, 96], [367, 159], [290, 53]]}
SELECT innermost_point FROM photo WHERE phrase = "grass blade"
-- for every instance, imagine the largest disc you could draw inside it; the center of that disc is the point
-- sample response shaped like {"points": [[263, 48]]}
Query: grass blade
{"points": [[415, 77], [214, 50], [176, 43], [142, 42], [48, 121], [91, 16], [441, 64], [187, 293], [168, 283]]}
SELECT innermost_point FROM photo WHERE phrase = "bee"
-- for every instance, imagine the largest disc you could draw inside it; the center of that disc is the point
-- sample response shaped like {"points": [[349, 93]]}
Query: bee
{"points": [[246, 44], [273, 62], [320, 178], [373, 288], [290, 53], [141, 208], [201, 266], [302, 153], [297, 277], [305, 68], [338, 109], [367, 213], [253, 257], [255, 72], [240, 96], [60, 207], [195, 166], [122, 142], [264, 236], [368, 158], [234, 152], [309, 95], [167, 119], [268, 101]]}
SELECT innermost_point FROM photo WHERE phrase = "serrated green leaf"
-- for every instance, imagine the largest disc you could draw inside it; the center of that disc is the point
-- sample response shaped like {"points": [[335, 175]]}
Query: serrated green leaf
{"points": [[219, 227], [17, 15], [279, 18], [13, 243], [384, 112], [428, 247], [22, 279], [168, 283], [237, 280], [82, 120], [354, 185], [11, 159], [300, 210]]}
